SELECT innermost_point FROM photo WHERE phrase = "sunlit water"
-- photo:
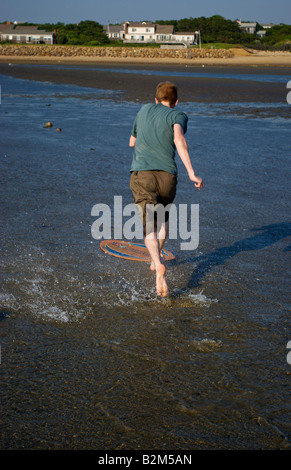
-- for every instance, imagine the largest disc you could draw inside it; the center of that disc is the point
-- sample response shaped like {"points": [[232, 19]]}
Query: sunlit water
{"points": [[91, 358]]}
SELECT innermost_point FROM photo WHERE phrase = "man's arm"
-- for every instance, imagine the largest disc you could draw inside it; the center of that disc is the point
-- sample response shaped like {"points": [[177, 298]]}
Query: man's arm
{"points": [[132, 141], [183, 151]]}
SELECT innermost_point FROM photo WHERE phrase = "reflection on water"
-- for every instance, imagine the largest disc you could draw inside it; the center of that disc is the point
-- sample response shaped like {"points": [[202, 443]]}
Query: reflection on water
{"points": [[91, 357]]}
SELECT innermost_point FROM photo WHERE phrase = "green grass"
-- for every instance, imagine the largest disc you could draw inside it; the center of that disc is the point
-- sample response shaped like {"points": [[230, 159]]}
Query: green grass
{"points": [[219, 45]]}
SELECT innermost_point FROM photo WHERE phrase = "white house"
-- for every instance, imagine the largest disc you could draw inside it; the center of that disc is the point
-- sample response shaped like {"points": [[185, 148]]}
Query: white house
{"points": [[147, 32], [268, 26], [139, 32], [249, 28], [25, 34], [185, 38]]}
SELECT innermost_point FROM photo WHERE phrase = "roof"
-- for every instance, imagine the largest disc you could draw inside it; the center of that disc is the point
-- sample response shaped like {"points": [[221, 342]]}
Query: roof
{"points": [[248, 24], [6, 27], [113, 28], [142, 24], [10, 28], [184, 33], [164, 28], [30, 30]]}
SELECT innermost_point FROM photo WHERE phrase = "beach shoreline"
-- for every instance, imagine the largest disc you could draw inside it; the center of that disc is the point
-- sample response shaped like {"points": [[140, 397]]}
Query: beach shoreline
{"points": [[125, 78], [77, 55], [253, 61]]}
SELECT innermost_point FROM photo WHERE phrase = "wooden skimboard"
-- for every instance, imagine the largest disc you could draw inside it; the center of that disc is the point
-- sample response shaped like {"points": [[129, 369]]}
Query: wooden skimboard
{"points": [[131, 251]]}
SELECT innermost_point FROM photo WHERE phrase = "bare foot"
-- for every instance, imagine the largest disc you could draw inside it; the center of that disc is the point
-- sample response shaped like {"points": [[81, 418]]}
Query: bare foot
{"points": [[162, 288]]}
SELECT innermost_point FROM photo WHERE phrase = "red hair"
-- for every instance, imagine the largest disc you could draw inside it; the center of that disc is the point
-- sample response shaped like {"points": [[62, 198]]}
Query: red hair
{"points": [[167, 91]]}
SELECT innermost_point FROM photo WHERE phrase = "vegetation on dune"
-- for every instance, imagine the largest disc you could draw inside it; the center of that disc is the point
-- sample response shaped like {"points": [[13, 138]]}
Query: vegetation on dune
{"points": [[217, 29], [214, 30]]}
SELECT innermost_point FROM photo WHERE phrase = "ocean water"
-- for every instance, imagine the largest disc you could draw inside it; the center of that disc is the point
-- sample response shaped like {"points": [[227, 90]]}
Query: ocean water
{"points": [[91, 358]]}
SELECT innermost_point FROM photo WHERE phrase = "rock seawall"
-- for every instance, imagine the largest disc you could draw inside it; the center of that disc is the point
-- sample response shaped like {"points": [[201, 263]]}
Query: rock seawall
{"points": [[24, 50]]}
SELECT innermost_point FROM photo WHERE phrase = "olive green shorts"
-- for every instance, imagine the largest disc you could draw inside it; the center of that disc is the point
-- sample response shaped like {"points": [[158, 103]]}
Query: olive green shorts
{"points": [[153, 187]]}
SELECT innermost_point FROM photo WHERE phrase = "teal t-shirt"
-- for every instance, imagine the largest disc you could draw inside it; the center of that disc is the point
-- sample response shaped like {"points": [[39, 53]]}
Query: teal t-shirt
{"points": [[153, 128]]}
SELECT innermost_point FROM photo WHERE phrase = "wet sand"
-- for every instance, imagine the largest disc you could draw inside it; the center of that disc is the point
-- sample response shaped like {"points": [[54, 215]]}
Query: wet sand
{"points": [[140, 87], [91, 359]]}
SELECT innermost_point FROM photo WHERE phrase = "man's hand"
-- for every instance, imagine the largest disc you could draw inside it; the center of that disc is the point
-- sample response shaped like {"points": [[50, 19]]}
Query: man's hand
{"points": [[132, 141], [198, 182], [182, 149]]}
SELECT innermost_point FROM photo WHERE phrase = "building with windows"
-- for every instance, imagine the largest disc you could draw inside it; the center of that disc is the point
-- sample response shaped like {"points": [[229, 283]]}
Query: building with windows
{"points": [[147, 32], [114, 32], [250, 28], [25, 34], [139, 32], [164, 32]]}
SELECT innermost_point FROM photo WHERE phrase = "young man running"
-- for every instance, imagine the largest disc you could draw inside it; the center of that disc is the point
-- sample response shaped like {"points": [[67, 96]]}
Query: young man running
{"points": [[157, 133]]}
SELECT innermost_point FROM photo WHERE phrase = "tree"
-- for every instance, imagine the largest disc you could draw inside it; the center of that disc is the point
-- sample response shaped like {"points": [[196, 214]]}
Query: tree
{"points": [[83, 33], [277, 34]]}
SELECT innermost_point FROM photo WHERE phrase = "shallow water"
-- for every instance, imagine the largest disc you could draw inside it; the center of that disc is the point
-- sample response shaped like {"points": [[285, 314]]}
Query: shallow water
{"points": [[91, 358], [185, 71]]}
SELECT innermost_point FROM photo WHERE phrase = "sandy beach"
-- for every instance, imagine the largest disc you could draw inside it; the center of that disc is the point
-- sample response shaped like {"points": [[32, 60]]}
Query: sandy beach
{"points": [[104, 73], [240, 58]]}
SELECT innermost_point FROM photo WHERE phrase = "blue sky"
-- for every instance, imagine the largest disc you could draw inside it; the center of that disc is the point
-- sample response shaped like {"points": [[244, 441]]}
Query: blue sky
{"points": [[104, 11]]}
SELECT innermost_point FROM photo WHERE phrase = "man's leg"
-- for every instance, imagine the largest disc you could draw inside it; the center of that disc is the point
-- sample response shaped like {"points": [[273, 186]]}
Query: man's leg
{"points": [[153, 246], [162, 236], [163, 233], [144, 188]]}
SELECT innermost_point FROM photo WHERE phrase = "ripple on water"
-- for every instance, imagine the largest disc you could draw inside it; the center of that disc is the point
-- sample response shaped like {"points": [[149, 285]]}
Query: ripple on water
{"points": [[49, 291]]}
